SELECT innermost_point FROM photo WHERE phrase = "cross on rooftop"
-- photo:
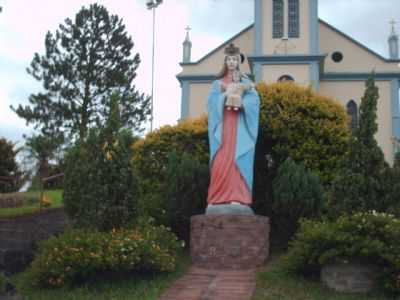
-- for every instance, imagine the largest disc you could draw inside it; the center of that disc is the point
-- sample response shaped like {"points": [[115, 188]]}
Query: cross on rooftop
{"points": [[393, 22]]}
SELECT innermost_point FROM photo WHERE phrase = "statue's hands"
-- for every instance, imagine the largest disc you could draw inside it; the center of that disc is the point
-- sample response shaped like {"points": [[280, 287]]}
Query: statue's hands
{"points": [[223, 87]]}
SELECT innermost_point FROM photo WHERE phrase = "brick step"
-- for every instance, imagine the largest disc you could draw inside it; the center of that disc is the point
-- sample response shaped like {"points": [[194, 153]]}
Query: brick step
{"points": [[204, 284]]}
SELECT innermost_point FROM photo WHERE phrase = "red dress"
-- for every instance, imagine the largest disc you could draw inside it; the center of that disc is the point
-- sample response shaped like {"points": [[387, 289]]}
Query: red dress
{"points": [[227, 184]]}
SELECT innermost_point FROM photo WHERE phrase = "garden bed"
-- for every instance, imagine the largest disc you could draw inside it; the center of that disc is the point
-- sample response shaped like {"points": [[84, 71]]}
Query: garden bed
{"points": [[274, 283]]}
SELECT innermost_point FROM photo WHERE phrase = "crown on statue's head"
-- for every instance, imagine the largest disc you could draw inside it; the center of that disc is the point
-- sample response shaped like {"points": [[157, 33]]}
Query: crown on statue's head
{"points": [[232, 50]]}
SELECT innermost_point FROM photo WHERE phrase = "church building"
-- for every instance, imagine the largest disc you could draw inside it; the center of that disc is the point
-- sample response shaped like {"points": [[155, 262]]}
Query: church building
{"points": [[287, 41]]}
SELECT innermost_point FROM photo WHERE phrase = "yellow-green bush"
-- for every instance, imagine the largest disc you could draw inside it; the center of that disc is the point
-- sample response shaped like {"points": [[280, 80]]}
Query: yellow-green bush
{"points": [[150, 155], [308, 127], [78, 255]]}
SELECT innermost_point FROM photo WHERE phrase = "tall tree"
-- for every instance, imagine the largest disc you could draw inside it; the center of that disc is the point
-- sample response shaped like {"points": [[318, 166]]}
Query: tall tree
{"points": [[10, 175], [359, 185], [366, 156], [85, 61], [41, 149]]}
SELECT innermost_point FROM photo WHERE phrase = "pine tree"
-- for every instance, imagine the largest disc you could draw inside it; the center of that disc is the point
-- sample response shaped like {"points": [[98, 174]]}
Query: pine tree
{"points": [[10, 174], [358, 186], [85, 62], [41, 149]]}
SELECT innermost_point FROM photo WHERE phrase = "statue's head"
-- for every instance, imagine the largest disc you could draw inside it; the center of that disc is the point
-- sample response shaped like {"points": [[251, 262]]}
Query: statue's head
{"points": [[233, 59]]}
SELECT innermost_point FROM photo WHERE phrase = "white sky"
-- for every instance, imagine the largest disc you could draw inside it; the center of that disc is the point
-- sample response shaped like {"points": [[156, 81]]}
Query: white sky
{"points": [[24, 23]]}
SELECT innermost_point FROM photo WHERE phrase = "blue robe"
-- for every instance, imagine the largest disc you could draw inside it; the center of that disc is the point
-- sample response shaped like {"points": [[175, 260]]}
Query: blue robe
{"points": [[246, 132]]}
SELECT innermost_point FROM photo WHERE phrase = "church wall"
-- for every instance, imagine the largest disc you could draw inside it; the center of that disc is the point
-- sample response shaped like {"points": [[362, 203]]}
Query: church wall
{"points": [[299, 72], [300, 45], [344, 91], [213, 63], [355, 58], [198, 94]]}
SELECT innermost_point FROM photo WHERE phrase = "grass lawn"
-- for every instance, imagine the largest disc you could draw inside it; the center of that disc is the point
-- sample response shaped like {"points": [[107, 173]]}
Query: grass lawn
{"points": [[274, 284], [149, 287], [54, 195]]}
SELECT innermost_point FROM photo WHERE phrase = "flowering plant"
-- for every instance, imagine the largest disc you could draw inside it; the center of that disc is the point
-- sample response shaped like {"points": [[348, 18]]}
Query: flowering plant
{"points": [[79, 254]]}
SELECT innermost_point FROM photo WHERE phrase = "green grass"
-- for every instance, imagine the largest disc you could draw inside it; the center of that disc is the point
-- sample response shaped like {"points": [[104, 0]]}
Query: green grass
{"points": [[55, 196], [147, 287], [273, 283]]}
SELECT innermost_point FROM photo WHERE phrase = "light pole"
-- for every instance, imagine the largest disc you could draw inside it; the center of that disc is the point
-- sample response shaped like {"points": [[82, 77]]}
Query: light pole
{"points": [[152, 4]]}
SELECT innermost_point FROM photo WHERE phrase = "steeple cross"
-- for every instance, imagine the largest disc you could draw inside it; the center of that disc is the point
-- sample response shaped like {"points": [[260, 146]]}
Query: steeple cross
{"points": [[392, 22]]}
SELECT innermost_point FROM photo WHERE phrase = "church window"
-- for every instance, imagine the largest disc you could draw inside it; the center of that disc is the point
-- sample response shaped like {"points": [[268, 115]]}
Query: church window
{"points": [[286, 78], [337, 56], [277, 19], [293, 18], [352, 111]]}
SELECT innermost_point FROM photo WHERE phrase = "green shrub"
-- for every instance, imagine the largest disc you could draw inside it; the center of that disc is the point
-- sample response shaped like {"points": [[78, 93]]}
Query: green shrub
{"points": [[298, 193], [391, 185], [100, 189], [185, 192], [181, 195], [77, 255], [363, 237], [3, 283]]}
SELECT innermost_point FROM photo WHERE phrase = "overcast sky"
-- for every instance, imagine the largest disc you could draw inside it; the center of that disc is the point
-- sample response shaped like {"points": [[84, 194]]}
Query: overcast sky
{"points": [[23, 25]]}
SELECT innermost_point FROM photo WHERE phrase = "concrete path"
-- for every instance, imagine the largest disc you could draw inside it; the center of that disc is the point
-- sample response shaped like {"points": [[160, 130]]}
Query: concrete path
{"points": [[205, 284]]}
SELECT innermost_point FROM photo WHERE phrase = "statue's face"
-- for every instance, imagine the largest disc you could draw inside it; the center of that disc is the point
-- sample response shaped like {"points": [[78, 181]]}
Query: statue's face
{"points": [[232, 62]]}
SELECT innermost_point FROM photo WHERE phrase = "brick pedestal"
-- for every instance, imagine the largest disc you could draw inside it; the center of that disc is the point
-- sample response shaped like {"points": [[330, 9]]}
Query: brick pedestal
{"points": [[229, 241]]}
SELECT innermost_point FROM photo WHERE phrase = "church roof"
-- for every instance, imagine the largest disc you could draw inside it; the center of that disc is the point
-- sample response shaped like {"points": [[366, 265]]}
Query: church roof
{"points": [[320, 20], [357, 42]]}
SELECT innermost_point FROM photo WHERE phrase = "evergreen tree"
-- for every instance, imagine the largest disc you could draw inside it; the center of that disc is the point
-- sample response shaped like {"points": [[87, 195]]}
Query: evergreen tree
{"points": [[10, 175], [359, 186], [41, 149], [298, 193], [85, 61], [100, 187], [366, 156]]}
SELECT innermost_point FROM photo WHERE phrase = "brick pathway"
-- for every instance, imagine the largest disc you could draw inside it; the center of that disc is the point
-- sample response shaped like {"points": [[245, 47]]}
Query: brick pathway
{"points": [[205, 284]]}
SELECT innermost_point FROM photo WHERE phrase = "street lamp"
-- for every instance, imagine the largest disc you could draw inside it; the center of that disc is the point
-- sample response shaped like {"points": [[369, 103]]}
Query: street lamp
{"points": [[152, 4]]}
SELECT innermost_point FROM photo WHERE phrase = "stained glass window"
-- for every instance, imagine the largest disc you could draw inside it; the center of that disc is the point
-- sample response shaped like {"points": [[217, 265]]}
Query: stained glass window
{"points": [[352, 111], [277, 19], [293, 18]]}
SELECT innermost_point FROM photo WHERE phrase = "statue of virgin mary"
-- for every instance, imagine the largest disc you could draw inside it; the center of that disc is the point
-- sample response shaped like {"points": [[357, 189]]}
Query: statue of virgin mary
{"points": [[232, 136]]}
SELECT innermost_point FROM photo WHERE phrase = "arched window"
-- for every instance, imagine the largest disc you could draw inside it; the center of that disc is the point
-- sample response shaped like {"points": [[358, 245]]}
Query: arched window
{"points": [[352, 111], [277, 19], [293, 19], [286, 78]]}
